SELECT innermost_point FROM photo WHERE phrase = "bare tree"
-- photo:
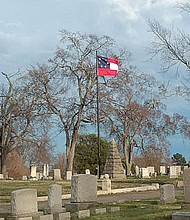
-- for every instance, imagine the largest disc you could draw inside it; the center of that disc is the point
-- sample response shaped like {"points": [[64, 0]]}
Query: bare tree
{"points": [[128, 111], [37, 150], [155, 156], [134, 114], [68, 84], [185, 7], [172, 46], [19, 116]]}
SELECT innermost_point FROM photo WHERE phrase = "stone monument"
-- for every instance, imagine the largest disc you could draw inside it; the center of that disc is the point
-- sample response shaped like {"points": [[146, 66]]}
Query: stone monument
{"points": [[113, 166]]}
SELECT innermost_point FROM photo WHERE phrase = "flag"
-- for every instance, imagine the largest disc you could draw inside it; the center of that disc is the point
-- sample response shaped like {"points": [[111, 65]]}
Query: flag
{"points": [[107, 66]]}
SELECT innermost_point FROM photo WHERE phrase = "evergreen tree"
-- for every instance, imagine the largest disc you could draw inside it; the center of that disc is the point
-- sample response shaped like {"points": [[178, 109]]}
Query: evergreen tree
{"points": [[179, 159], [86, 154]]}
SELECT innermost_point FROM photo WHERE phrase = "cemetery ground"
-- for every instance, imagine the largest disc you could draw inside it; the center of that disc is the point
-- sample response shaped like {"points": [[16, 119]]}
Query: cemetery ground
{"points": [[142, 206]]}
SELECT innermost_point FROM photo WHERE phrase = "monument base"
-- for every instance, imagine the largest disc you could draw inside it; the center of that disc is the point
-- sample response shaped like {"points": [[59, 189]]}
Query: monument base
{"points": [[32, 215], [53, 211], [74, 207]]}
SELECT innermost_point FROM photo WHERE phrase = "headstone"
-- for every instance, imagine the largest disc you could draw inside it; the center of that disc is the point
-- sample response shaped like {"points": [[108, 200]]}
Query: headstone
{"points": [[179, 183], [185, 167], [54, 204], [24, 202], [113, 165], [33, 171], [173, 173], [45, 171], [106, 176], [24, 178], [6, 175], [162, 170], [1, 176], [106, 184], [56, 174], [83, 188], [186, 185], [68, 175], [54, 196], [150, 170], [39, 175], [167, 194], [178, 170], [137, 170], [87, 171], [144, 173]]}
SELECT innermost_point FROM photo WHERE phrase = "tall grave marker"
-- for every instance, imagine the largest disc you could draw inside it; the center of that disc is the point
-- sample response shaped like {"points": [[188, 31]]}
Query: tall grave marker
{"points": [[113, 166]]}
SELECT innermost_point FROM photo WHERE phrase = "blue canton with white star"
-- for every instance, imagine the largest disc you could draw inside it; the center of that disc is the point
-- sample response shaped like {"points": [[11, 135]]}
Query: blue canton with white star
{"points": [[103, 62]]}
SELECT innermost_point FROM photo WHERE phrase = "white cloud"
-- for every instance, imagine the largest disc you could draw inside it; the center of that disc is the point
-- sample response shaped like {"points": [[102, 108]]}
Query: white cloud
{"points": [[124, 7], [135, 11]]}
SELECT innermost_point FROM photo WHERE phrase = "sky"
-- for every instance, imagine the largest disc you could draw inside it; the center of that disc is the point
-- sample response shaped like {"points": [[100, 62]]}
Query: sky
{"points": [[29, 34]]}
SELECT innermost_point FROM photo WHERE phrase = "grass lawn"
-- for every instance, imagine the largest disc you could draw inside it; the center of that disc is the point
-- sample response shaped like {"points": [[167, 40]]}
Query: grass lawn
{"points": [[142, 210], [7, 186]]}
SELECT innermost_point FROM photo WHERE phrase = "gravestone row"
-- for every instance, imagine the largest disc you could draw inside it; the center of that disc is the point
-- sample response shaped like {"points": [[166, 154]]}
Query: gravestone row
{"points": [[24, 202]]}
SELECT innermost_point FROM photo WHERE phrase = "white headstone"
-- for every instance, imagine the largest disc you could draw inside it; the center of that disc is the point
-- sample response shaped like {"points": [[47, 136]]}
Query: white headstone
{"points": [[45, 170], [33, 171], [1, 176], [106, 184], [68, 175], [56, 174], [24, 178], [87, 171], [178, 170], [150, 170], [137, 170], [173, 173], [144, 173], [185, 167], [162, 170], [106, 176]]}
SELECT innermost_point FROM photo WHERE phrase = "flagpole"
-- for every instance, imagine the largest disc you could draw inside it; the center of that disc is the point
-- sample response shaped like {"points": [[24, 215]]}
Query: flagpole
{"points": [[98, 118]]}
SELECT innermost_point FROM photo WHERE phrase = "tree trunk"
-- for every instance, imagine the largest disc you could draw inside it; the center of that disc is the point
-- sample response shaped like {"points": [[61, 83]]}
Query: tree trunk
{"points": [[128, 159], [71, 150], [70, 159], [129, 168], [3, 163]]}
